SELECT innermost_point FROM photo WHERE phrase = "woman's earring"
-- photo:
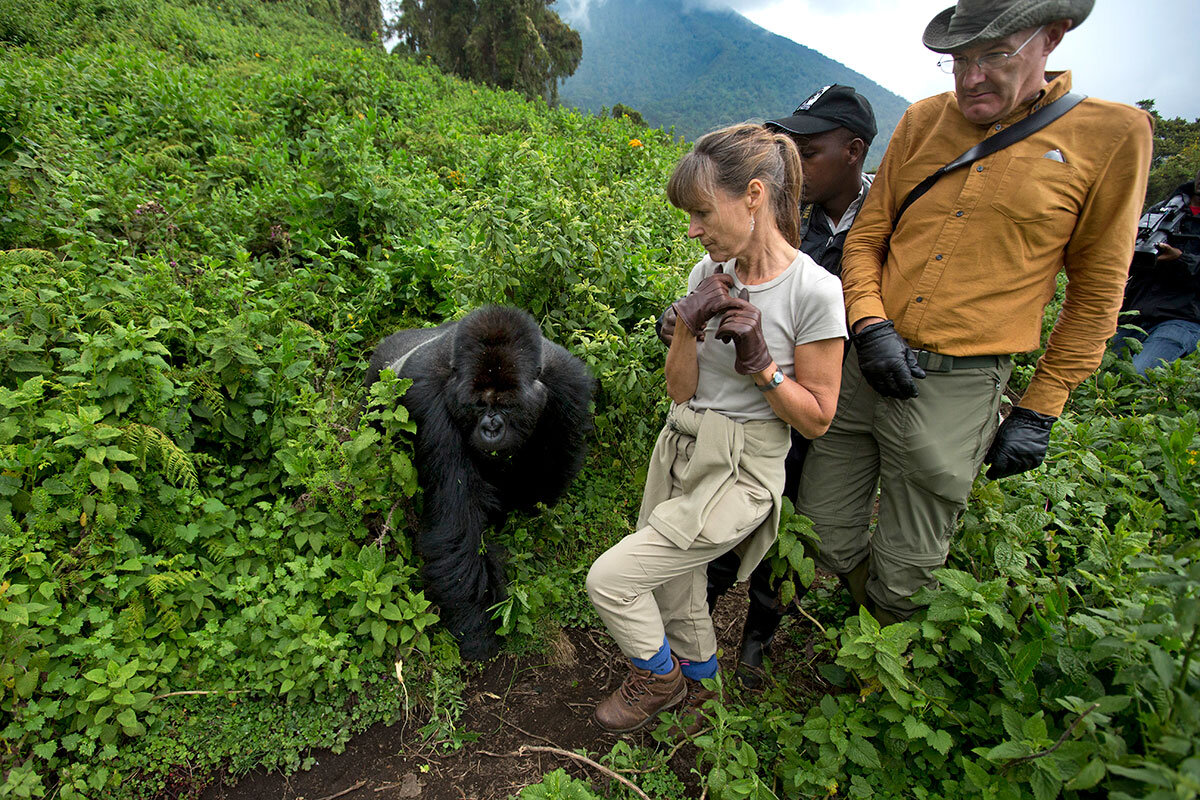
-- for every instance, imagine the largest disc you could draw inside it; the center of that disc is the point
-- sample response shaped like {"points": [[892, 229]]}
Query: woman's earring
{"points": [[752, 223]]}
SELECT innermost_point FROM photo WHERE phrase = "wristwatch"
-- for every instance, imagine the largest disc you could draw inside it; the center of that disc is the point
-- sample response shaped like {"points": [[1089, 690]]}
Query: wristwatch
{"points": [[775, 380]]}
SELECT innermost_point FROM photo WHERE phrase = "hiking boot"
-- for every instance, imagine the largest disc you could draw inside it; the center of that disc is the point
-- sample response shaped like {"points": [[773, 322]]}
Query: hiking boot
{"points": [[691, 718], [639, 698]]}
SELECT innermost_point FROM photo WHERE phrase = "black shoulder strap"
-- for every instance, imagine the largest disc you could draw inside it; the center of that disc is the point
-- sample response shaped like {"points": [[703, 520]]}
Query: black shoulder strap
{"points": [[1010, 135]]}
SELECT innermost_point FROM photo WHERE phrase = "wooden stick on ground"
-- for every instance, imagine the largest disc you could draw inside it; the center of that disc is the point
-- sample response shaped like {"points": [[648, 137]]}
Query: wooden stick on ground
{"points": [[353, 788], [525, 749]]}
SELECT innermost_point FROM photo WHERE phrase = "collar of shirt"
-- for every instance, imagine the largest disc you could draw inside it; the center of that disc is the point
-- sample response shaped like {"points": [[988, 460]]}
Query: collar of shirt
{"points": [[1058, 84]]}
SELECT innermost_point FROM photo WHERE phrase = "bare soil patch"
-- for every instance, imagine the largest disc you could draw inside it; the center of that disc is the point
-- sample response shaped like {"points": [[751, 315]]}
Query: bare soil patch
{"points": [[543, 700]]}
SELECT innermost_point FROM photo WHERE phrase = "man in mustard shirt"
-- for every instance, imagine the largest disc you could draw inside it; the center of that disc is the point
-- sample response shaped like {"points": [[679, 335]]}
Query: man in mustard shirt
{"points": [[939, 300]]}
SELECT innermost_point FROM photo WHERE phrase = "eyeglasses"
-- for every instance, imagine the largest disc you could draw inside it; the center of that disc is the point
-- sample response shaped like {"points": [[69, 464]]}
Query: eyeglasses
{"points": [[989, 63]]}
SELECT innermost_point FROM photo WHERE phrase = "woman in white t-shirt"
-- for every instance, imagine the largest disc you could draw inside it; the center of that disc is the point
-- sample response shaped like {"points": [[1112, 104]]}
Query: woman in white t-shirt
{"points": [[757, 348]]}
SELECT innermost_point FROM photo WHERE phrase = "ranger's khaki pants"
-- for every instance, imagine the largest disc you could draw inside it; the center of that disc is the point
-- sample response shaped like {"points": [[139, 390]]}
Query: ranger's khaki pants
{"points": [[923, 454], [645, 586]]}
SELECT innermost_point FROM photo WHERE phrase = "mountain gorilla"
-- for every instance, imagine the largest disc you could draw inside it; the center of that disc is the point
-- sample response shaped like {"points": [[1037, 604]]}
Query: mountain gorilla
{"points": [[502, 414]]}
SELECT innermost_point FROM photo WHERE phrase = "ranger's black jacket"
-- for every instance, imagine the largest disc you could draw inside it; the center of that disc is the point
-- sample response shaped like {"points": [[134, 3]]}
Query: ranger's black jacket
{"points": [[819, 241]]}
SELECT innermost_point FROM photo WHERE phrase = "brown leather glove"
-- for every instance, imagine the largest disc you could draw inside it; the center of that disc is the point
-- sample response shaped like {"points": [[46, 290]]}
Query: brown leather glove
{"points": [[664, 327], [710, 298], [742, 324]]}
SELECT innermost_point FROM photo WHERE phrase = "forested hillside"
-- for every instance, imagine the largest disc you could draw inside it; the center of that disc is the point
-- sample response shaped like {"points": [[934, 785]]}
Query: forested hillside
{"points": [[212, 209], [681, 64]]}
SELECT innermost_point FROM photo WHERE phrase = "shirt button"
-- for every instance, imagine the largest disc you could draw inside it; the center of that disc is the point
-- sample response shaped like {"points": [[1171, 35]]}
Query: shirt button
{"points": [[958, 213], [979, 168], [920, 299], [999, 126], [938, 257]]}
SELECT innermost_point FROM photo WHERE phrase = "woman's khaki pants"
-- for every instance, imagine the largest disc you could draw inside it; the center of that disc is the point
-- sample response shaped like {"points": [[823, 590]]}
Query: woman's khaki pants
{"points": [[645, 587]]}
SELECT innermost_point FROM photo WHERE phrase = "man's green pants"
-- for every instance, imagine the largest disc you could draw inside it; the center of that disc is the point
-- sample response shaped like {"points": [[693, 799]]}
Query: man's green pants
{"points": [[923, 455]]}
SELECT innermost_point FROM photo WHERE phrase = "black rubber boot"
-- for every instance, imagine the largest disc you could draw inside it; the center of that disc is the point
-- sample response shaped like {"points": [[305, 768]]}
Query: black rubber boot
{"points": [[722, 575], [762, 621]]}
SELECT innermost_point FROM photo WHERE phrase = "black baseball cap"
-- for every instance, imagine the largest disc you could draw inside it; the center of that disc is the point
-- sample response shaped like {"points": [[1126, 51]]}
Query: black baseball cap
{"points": [[834, 106]]}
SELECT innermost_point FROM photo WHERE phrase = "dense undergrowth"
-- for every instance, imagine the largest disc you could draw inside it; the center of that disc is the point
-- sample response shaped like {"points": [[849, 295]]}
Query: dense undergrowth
{"points": [[211, 210]]}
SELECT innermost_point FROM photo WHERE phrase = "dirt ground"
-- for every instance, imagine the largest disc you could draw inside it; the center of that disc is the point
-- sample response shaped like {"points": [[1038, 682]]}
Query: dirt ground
{"points": [[515, 702]]}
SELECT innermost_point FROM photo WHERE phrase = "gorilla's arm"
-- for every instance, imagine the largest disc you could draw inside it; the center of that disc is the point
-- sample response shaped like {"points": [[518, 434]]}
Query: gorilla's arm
{"points": [[554, 453], [459, 576], [403, 343]]}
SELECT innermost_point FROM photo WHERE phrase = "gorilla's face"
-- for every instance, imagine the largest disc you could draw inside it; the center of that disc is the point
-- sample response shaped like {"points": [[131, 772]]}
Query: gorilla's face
{"points": [[501, 418], [495, 392]]}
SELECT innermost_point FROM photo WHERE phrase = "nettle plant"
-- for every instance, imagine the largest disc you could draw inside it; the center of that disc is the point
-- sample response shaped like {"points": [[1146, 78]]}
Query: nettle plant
{"points": [[1056, 658], [181, 512]]}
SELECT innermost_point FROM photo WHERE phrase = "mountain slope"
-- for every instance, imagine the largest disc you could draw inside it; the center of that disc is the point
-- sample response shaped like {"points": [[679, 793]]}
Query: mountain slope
{"points": [[698, 69]]}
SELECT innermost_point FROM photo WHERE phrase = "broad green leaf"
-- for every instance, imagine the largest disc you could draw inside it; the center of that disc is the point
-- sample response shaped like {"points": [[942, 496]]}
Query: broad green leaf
{"points": [[863, 753], [1045, 786], [1026, 659], [807, 572], [940, 741], [1006, 751], [1089, 776]]}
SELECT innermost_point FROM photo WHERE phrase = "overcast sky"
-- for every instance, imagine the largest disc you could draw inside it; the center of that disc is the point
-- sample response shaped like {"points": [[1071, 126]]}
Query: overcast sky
{"points": [[1125, 50]]}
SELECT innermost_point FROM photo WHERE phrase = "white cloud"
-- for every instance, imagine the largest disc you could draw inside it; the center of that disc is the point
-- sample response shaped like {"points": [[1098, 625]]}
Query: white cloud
{"points": [[575, 12], [1121, 52]]}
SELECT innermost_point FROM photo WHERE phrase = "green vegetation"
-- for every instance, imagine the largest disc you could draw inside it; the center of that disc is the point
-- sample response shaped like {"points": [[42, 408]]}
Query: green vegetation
{"points": [[211, 210], [1176, 153]]}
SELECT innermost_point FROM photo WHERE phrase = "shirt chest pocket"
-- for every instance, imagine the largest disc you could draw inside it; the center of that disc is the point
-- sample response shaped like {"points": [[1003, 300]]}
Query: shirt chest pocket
{"points": [[1037, 190]]}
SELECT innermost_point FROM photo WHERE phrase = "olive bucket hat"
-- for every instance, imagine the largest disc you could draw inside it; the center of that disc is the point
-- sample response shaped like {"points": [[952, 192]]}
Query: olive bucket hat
{"points": [[974, 21]]}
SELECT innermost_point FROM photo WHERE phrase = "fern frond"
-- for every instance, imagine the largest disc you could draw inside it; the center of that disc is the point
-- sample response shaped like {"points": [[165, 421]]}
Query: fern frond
{"points": [[207, 393], [169, 620], [143, 440], [133, 619], [11, 539], [103, 315], [162, 582], [160, 526], [217, 550], [25, 257]]}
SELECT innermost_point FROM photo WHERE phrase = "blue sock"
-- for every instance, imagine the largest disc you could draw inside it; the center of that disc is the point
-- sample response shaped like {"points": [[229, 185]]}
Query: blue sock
{"points": [[699, 670], [660, 663]]}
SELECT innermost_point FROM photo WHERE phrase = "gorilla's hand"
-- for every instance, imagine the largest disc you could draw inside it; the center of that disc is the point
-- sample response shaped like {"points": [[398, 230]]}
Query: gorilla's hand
{"points": [[743, 325], [664, 327], [710, 298]]}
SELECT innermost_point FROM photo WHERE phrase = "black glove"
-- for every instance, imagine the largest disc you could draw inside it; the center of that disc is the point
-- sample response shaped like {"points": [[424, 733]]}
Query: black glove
{"points": [[886, 360], [1020, 444]]}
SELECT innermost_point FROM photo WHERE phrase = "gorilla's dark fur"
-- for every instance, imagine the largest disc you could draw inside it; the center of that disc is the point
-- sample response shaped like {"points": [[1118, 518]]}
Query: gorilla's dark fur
{"points": [[502, 416]]}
